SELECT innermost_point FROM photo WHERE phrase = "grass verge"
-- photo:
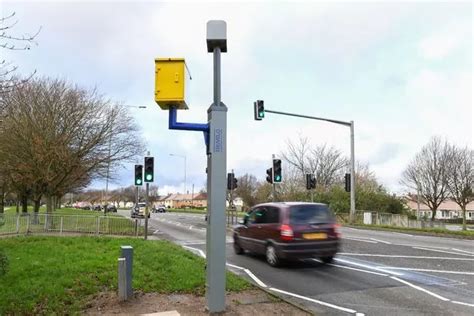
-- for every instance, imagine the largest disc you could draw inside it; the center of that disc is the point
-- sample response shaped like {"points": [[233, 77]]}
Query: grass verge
{"points": [[54, 275], [468, 234]]}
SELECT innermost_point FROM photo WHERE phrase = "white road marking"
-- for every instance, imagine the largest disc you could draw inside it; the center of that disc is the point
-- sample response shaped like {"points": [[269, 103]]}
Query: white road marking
{"points": [[450, 252], [400, 256], [429, 270], [347, 310], [461, 303], [368, 267], [350, 268], [201, 253], [400, 233], [257, 280], [234, 266], [382, 241], [421, 289], [472, 253], [363, 240]]}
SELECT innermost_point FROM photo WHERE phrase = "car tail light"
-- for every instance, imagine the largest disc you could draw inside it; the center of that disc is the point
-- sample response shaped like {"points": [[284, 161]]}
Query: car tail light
{"points": [[336, 228], [286, 233]]}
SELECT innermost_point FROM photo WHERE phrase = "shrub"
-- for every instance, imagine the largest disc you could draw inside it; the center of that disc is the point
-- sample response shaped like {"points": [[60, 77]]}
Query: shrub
{"points": [[3, 263]]}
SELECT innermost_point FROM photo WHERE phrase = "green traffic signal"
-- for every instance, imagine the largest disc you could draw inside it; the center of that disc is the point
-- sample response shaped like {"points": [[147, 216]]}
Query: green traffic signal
{"points": [[149, 177], [138, 182]]}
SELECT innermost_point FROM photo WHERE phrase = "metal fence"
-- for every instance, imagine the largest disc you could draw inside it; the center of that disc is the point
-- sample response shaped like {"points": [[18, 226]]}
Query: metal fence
{"points": [[63, 224], [398, 220]]}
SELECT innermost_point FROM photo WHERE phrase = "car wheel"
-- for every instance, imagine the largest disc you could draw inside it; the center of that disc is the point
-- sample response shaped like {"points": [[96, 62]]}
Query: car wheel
{"points": [[271, 255], [327, 259], [237, 249]]}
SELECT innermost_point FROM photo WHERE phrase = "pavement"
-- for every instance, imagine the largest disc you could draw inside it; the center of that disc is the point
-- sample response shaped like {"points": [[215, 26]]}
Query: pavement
{"points": [[375, 273]]}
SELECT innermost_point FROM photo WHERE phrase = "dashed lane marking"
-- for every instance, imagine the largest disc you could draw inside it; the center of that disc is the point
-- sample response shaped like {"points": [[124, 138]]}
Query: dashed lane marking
{"points": [[450, 252], [421, 289], [401, 256], [363, 240], [382, 241], [368, 267], [428, 270]]}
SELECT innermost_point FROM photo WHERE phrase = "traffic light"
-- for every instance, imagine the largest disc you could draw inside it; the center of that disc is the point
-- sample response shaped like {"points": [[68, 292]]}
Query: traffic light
{"points": [[231, 181], [149, 161], [310, 181], [277, 170], [347, 179], [138, 174], [270, 175], [259, 110]]}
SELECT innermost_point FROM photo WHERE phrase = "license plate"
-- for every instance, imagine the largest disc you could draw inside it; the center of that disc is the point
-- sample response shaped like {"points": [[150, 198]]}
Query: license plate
{"points": [[315, 236]]}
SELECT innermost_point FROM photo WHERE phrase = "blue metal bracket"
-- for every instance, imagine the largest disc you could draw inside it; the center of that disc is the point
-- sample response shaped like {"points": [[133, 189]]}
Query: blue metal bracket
{"points": [[173, 124]]}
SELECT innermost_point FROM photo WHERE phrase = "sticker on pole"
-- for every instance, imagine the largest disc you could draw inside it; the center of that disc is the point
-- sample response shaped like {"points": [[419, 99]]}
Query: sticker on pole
{"points": [[218, 142]]}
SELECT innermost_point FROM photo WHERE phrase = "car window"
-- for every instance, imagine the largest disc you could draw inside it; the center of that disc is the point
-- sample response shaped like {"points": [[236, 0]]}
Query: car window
{"points": [[272, 215], [256, 216], [308, 214]]}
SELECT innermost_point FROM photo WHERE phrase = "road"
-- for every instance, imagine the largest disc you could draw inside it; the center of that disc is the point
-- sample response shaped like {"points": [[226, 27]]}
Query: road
{"points": [[376, 272]]}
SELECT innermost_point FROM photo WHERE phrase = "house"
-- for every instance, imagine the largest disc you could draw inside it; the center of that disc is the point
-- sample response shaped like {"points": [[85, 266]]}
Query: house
{"points": [[447, 210], [185, 200]]}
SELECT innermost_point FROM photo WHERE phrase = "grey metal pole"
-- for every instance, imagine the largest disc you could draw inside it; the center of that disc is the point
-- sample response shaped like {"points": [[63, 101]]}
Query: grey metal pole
{"points": [[136, 195], [107, 177], [352, 212], [185, 174], [146, 210], [216, 177]]}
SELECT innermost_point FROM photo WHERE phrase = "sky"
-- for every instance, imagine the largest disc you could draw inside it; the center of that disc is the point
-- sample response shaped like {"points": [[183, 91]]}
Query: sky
{"points": [[402, 71]]}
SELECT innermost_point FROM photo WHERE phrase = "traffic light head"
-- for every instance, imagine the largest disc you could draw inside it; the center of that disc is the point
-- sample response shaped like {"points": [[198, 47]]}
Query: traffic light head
{"points": [[347, 179], [231, 181], [277, 170], [270, 175], [149, 162], [259, 110], [138, 175], [308, 181], [313, 182]]}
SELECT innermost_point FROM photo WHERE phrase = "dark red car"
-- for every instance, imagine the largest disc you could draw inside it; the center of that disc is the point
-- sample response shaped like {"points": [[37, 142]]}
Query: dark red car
{"points": [[289, 230]]}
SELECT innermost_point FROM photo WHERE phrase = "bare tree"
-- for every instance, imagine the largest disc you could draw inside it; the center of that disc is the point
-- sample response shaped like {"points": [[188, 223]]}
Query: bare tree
{"points": [[13, 42], [427, 173], [246, 189], [59, 137], [326, 163], [461, 178]]}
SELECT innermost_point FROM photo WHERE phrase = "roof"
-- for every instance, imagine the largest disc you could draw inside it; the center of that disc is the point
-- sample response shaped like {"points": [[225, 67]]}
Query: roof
{"points": [[449, 205], [290, 203]]}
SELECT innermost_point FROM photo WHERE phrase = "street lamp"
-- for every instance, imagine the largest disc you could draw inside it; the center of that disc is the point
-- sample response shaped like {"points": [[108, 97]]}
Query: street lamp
{"points": [[108, 162], [182, 156]]}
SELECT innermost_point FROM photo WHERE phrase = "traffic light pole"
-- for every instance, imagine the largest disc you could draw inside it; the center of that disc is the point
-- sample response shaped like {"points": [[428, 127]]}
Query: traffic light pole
{"points": [[146, 210], [351, 126]]}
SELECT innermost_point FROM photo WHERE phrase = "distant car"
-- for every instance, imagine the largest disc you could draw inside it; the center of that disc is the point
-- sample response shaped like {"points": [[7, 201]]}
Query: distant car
{"points": [[138, 210], [288, 230], [97, 208], [159, 209], [111, 208]]}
